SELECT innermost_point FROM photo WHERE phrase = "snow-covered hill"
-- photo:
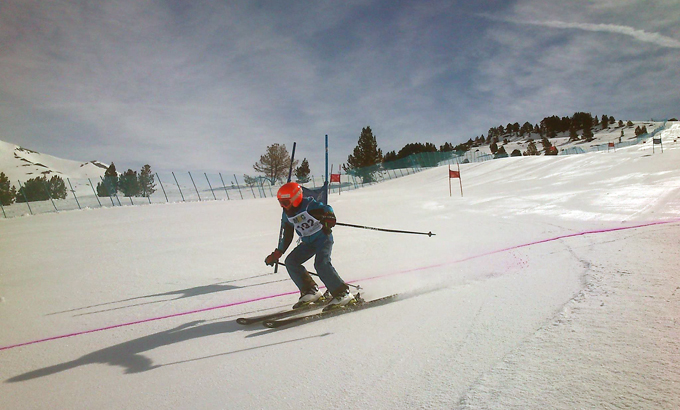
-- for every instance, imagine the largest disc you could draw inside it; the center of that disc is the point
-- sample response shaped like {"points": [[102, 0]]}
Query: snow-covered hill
{"points": [[601, 137], [553, 283], [23, 164]]}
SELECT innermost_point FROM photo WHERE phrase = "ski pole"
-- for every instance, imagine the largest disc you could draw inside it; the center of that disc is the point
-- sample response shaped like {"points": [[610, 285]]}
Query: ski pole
{"points": [[384, 230], [317, 275]]}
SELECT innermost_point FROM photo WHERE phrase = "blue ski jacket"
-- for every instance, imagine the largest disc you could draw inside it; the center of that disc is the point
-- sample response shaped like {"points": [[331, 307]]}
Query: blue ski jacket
{"points": [[304, 219]]}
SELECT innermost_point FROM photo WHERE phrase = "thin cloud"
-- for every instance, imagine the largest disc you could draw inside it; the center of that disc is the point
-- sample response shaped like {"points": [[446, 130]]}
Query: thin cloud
{"points": [[640, 35], [209, 85]]}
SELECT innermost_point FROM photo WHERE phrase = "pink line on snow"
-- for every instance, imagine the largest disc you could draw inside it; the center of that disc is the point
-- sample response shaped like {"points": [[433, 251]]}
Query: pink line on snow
{"points": [[148, 320], [422, 268], [524, 245]]}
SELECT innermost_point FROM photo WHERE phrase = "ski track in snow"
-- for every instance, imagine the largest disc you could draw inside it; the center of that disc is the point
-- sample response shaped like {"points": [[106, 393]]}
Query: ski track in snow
{"points": [[402, 295]]}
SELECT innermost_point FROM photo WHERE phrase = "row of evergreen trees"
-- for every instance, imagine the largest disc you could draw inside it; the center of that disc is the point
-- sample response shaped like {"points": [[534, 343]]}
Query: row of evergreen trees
{"points": [[274, 164], [551, 126], [367, 154], [129, 183], [35, 189], [42, 189]]}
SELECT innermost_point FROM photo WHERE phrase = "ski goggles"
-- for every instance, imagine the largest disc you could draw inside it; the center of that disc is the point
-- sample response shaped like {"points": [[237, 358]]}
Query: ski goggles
{"points": [[285, 203]]}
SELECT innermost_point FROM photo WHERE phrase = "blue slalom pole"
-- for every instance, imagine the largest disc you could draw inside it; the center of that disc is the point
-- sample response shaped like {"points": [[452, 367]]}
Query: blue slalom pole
{"points": [[326, 180], [283, 213]]}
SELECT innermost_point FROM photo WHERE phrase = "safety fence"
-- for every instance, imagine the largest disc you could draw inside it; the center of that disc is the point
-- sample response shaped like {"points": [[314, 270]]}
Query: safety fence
{"points": [[175, 187], [172, 187]]}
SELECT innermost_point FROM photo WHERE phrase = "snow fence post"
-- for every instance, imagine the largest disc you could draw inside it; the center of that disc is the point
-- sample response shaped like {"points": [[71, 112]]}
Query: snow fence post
{"points": [[96, 196], [178, 187], [211, 190], [107, 190], [23, 192], [224, 186], [192, 181], [237, 186], [163, 188], [49, 196], [253, 191], [73, 192]]}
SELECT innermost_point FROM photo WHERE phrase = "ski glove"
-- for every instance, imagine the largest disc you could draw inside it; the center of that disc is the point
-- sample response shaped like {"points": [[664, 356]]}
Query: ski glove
{"points": [[328, 222], [273, 257]]}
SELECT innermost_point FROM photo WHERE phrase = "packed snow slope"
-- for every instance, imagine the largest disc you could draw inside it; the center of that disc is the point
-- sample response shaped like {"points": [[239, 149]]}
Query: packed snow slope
{"points": [[552, 283]]}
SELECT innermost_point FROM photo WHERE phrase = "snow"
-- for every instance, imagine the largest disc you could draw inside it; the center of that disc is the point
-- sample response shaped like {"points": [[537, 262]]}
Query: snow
{"points": [[22, 164], [552, 283]]}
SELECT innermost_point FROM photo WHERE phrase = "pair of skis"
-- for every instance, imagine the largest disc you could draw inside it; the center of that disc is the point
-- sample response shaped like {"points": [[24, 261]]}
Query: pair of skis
{"points": [[294, 317]]}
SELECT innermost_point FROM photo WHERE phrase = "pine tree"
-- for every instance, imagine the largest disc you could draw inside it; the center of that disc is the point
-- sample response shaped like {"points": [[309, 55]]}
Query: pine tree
{"points": [[546, 144], [147, 182], [501, 153], [587, 128], [572, 134], [109, 186], [8, 192], [302, 172], [419, 147], [33, 190], [588, 134], [365, 157], [128, 183], [250, 181], [493, 147], [531, 149], [56, 187], [275, 163]]}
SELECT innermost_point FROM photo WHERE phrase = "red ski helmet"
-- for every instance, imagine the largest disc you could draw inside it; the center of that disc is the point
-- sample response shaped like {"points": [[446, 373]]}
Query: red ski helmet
{"points": [[290, 195]]}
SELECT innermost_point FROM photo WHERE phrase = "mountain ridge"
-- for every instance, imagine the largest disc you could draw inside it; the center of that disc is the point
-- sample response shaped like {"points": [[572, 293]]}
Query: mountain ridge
{"points": [[19, 163]]}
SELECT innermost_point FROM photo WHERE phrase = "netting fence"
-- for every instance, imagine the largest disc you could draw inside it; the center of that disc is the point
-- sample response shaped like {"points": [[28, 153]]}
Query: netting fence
{"points": [[175, 187]]}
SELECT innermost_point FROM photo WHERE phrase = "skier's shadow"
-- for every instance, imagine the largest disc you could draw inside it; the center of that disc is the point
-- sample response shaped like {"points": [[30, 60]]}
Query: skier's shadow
{"points": [[128, 355], [181, 294]]}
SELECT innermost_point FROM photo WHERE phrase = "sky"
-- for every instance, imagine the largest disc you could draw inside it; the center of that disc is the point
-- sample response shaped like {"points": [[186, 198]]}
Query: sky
{"points": [[208, 85]]}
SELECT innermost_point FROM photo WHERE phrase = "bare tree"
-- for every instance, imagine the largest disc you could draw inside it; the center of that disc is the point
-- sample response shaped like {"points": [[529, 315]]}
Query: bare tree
{"points": [[275, 163]]}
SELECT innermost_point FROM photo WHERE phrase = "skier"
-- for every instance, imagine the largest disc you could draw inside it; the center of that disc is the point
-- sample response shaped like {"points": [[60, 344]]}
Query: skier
{"points": [[312, 220]]}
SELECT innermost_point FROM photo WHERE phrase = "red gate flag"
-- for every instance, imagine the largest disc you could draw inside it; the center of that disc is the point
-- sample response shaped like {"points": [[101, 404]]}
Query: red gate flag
{"points": [[455, 174], [611, 145], [335, 178]]}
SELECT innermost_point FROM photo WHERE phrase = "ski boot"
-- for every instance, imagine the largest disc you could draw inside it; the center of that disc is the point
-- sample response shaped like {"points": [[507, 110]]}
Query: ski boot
{"points": [[342, 299], [312, 295]]}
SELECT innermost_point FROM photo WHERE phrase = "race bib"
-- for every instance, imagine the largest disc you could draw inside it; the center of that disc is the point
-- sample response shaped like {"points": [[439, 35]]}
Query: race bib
{"points": [[305, 224]]}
